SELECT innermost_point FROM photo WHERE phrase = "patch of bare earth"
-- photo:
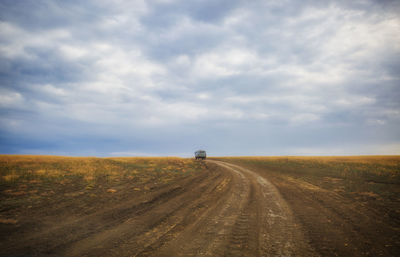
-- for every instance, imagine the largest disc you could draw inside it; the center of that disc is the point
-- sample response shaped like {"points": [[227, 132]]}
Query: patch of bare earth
{"points": [[338, 225]]}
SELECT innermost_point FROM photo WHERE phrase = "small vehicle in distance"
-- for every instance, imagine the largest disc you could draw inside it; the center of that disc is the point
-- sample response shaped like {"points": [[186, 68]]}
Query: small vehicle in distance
{"points": [[200, 154]]}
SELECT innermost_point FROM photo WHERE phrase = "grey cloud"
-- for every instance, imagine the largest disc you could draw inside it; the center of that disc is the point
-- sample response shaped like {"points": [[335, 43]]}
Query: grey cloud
{"points": [[45, 14], [165, 14], [99, 78]]}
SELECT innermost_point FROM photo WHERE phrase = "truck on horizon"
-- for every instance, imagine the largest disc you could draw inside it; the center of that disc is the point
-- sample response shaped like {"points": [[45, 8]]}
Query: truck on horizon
{"points": [[200, 154]]}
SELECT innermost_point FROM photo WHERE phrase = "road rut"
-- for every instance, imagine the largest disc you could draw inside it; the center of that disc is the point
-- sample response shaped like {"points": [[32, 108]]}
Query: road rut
{"points": [[269, 219]]}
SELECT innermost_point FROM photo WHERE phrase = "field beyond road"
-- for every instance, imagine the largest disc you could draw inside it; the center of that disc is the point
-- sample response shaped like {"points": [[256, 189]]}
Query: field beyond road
{"points": [[230, 206]]}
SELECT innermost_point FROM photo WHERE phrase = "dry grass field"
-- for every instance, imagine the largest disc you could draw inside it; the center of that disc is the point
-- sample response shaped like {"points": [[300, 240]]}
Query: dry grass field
{"points": [[73, 206], [370, 176], [28, 181], [38, 192]]}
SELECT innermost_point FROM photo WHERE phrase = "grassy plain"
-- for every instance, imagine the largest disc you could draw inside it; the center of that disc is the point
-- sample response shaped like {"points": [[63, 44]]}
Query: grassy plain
{"points": [[28, 182], [374, 176]]}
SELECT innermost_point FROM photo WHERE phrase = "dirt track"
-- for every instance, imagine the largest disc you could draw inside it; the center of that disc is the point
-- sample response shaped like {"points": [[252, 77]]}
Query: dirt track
{"points": [[224, 211]]}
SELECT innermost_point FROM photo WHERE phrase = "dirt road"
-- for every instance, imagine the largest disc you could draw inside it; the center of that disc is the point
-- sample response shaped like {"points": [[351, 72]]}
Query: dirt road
{"points": [[265, 224], [226, 210], [249, 219]]}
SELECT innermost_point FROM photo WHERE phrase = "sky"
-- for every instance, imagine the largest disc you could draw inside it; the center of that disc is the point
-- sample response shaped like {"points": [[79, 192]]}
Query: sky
{"points": [[168, 77]]}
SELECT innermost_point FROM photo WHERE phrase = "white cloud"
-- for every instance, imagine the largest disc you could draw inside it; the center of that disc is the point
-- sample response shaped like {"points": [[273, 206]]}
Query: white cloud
{"points": [[353, 101], [225, 62], [52, 90], [203, 96], [73, 52], [376, 122], [120, 63], [10, 99], [16, 40]]}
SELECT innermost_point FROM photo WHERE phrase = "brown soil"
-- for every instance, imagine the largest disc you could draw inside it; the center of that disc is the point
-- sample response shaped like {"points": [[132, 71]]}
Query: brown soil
{"points": [[340, 225], [225, 211]]}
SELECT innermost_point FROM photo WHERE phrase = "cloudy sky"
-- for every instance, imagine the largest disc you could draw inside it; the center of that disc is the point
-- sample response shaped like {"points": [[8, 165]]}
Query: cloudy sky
{"points": [[167, 77]]}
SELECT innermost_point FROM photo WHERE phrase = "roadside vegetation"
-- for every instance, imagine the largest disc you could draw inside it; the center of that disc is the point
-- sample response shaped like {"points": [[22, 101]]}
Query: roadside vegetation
{"points": [[373, 176]]}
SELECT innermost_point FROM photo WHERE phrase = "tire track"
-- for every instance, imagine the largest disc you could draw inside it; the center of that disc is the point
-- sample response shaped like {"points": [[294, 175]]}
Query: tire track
{"points": [[209, 234], [147, 225], [274, 224]]}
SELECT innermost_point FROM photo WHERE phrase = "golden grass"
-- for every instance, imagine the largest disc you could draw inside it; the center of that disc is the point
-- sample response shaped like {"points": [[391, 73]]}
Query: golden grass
{"points": [[29, 180], [379, 159], [372, 175], [39, 169]]}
